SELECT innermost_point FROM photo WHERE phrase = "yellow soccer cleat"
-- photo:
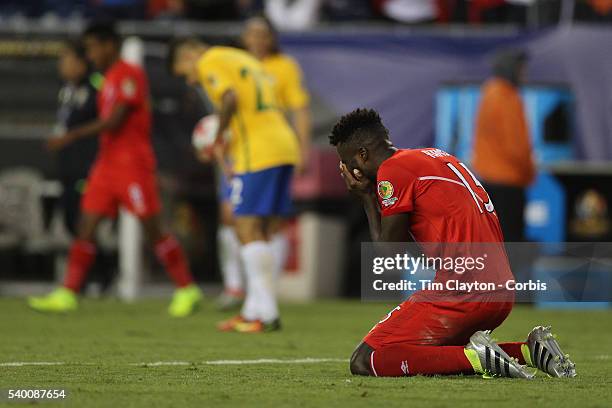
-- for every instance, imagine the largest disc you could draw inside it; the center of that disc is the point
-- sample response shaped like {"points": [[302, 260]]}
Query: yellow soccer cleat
{"points": [[61, 300], [185, 301]]}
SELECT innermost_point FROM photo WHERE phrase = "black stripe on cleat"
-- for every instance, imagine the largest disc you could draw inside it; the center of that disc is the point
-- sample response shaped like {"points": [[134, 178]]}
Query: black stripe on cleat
{"points": [[543, 355], [497, 364], [550, 357], [494, 361]]}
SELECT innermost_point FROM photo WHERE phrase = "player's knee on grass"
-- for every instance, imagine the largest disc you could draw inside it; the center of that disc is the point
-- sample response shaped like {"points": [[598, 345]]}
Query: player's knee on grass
{"points": [[360, 360]]}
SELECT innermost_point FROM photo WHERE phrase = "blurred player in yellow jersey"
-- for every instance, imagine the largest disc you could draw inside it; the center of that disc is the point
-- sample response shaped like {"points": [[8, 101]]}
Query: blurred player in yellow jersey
{"points": [[261, 40], [262, 153]]}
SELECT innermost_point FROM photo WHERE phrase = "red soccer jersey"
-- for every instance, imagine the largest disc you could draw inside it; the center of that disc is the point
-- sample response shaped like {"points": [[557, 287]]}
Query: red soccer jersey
{"points": [[130, 145], [447, 204]]}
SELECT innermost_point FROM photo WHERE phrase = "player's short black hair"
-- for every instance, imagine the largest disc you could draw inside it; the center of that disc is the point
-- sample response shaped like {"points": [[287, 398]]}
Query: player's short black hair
{"points": [[360, 125], [173, 47], [103, 31]]}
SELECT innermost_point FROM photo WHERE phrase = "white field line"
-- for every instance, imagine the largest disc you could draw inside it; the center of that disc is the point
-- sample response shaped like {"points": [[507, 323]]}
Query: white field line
{"points": [[30, 363], [306, 360]]}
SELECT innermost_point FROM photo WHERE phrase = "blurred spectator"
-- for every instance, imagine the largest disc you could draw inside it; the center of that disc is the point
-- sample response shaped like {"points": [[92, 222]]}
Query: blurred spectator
{"points": [[77, 105], [202, 9], [38, 8], [293, 14], [408, 11], [502, 154], [218, 10], [118, 9], [348, 10], [304, 14], [167, 9], [497, 11], [594, 10], [458, 11], [133, 9]]}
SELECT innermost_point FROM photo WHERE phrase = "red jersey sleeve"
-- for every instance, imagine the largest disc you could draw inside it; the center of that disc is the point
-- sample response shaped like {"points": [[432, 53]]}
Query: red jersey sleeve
{"points": [[395, 189], [130, 88]]}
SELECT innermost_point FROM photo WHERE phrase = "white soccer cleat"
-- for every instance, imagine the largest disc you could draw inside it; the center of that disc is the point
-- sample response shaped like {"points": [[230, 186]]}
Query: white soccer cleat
{"points": [[546, 355], [492, 360]]}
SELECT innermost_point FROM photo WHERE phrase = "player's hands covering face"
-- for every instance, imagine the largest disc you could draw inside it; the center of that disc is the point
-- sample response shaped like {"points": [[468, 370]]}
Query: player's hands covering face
{"points": [[356, 183]]}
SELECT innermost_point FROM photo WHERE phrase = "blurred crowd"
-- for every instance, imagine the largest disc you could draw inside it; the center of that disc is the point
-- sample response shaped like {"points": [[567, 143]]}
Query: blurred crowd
{"points": [[302, 14]]}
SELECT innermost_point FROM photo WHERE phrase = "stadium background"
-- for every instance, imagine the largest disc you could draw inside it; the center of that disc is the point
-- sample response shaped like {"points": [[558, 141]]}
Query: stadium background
{"points": [[389, 62], [409, 71]]}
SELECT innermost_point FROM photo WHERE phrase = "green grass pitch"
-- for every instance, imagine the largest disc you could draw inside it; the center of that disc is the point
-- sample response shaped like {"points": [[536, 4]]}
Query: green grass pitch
{"points": [[106, 346]]}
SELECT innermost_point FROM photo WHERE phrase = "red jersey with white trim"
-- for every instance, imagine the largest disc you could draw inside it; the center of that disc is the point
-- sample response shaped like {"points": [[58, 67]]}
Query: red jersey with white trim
{"points": [[130, 145], [445, 201], [447, 204]]}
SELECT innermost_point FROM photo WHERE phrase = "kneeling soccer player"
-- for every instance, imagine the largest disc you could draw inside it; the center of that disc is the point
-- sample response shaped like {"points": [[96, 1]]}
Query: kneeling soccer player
{"points": [[428, 196]]}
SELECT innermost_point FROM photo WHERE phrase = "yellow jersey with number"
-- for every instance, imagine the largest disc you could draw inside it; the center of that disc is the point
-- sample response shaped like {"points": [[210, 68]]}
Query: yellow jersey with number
{"points": [[261, 136], [290, 91]]}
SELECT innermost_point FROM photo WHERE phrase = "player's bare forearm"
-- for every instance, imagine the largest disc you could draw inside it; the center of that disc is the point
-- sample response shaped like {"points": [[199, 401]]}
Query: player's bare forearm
{"points": [[87, 130], [386, 229], [229, 105], [93, 128], [393, 228], [362, 188], [113, 122], [303, 127], [370, 207]]}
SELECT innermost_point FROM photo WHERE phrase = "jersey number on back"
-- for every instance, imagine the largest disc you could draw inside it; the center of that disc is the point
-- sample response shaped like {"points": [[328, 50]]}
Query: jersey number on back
{"points": [[488, 204], [263, 85]]}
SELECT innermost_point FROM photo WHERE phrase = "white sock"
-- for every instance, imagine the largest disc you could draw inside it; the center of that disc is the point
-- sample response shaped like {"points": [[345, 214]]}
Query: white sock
{"points": [[280, 248], [231, 264], [260, 302]]}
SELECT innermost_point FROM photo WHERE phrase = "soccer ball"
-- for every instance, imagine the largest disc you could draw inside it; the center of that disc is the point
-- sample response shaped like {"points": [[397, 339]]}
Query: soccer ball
{"points": [[205, 131]]}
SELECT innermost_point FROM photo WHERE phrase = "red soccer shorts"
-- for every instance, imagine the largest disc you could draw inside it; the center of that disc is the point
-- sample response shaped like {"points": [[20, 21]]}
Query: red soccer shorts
{"points": [[108, 188], [436, 324]]}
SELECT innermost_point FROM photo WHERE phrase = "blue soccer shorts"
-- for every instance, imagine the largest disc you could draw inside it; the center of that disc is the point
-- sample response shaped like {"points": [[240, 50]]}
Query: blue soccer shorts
{"points": [[262, 193]]}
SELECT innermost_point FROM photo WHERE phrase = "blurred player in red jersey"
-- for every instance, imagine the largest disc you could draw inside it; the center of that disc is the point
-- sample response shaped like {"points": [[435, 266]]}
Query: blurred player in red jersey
{"points": [[123, 174], [428, 196]]}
